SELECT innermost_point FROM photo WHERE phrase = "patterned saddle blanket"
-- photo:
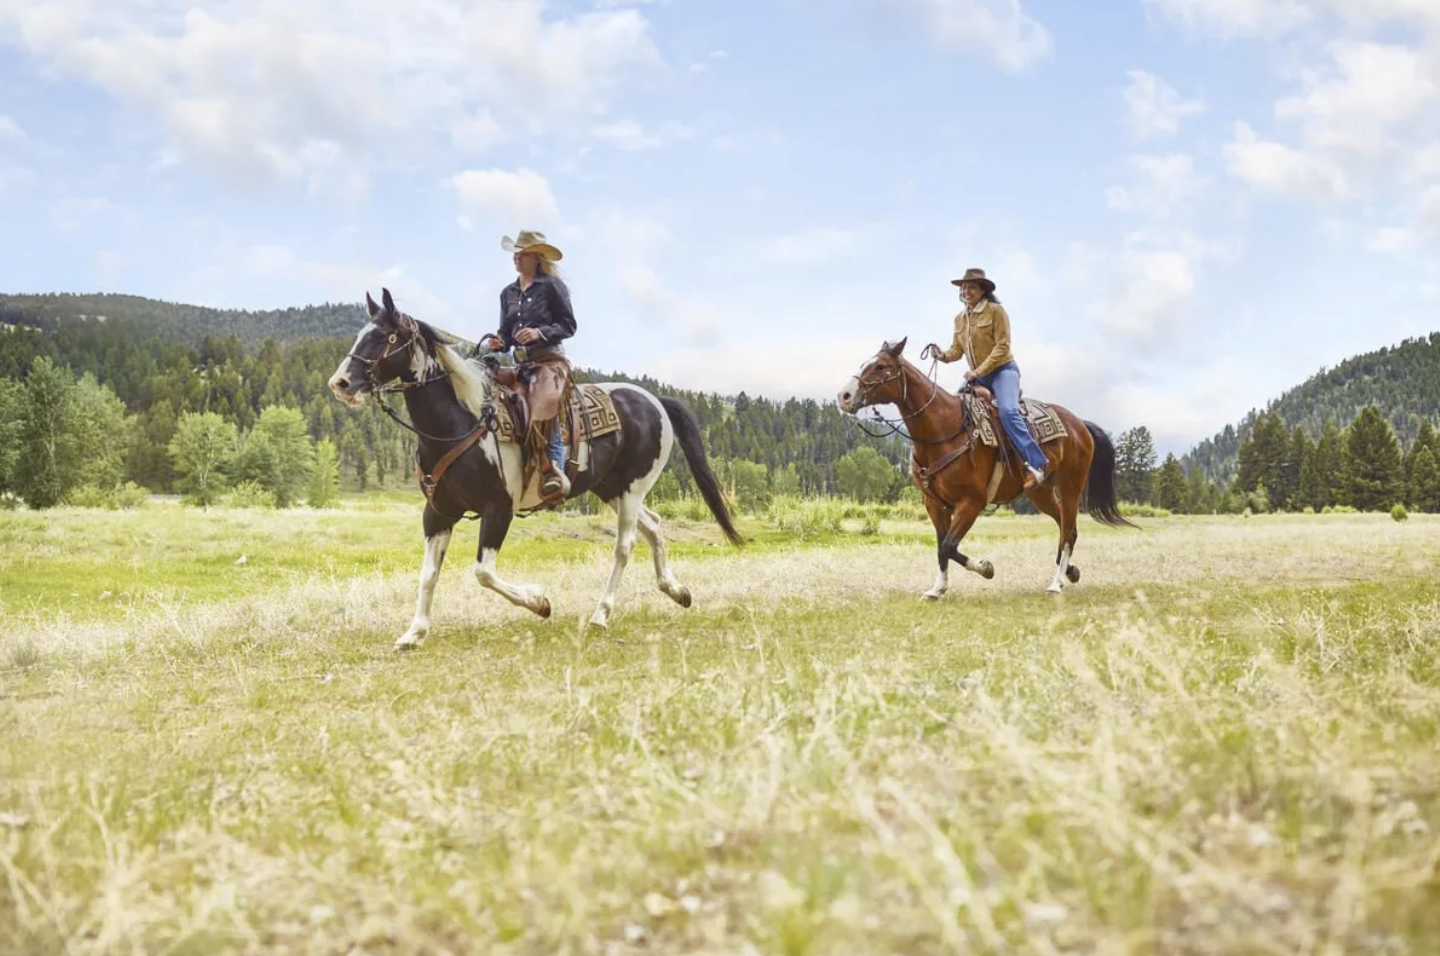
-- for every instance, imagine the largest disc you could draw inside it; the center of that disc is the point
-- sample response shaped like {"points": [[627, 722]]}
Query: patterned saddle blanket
{"points": [[589, 414], [1045, 424]]}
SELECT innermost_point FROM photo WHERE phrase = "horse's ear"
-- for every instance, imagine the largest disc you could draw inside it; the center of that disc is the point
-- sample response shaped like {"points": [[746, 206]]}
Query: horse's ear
{"points": [[897, 348], [386, 298], [370, 305]]}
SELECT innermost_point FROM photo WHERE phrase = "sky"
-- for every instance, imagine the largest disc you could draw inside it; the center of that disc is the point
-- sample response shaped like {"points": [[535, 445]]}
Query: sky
{"points": [[1188, 206]]}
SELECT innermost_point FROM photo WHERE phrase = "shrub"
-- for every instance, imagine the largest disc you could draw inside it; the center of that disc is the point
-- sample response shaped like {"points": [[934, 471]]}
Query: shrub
{"points": [[1399, 513], [250, 494]]}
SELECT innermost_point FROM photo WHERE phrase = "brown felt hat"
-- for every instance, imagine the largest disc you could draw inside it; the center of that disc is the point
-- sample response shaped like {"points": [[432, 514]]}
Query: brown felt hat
{"points": [[976, 276]]}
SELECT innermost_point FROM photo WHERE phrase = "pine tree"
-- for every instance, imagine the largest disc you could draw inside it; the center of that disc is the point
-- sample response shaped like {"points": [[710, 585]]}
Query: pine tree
{"points": [[1425, 482], [1375, 473], [1170, 487], [325, 477], [1302, 449], [40, 467], [1135, 465], [1323, 485]]}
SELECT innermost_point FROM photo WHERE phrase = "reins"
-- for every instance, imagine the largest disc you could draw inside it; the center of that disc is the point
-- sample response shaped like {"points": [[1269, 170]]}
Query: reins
{"points": [[897, 425], [489, 420]]}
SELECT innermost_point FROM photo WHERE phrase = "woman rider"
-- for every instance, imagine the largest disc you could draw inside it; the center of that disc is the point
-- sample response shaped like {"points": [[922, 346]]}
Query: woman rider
{"points": [[982, 336], [535, 316]]}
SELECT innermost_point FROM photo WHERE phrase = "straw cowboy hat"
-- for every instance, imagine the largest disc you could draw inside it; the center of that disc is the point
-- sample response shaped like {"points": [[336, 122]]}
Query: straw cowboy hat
{"points": [[977, 276], [531, 241]]}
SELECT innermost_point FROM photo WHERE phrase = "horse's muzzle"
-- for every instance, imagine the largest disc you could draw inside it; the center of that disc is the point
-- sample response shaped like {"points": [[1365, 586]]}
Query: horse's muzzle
{"points": [[347, 388]]}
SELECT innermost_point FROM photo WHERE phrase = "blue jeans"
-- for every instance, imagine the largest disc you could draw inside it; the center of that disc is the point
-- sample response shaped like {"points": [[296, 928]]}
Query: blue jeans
{"points": [[557, 446], [1005, 383]]}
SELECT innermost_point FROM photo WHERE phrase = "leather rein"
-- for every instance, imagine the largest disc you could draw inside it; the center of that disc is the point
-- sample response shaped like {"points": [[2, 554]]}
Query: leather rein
{"points": [[460, 444], [925, 474]]}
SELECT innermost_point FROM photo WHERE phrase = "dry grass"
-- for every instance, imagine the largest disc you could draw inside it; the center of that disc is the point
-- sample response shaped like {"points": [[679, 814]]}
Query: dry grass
{"points": [[1221, 741]]}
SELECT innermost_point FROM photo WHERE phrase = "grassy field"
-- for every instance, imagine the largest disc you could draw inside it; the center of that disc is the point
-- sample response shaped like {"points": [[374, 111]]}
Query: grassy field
{"points": [[1223, 740]]}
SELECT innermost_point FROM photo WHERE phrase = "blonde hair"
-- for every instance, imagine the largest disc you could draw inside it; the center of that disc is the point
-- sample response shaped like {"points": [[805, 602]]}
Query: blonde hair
{"points": [[548, 267]]}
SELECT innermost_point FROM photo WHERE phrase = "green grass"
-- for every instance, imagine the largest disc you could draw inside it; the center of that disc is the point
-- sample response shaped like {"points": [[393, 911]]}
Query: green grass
{"points": [[1220, 741]]}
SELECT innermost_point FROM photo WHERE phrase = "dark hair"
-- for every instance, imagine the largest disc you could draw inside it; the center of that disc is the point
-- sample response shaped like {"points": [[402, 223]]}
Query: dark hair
{"points": [[988, 296]]}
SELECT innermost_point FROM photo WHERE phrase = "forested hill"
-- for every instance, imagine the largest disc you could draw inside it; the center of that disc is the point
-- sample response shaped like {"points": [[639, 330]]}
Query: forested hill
{"points": [[191, 323], [1402, 381], [162, 363]]}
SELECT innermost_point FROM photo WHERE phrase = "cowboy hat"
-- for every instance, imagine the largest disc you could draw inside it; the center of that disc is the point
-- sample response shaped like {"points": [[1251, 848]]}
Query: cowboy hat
{"points": [[531, 241], [976, 276]]}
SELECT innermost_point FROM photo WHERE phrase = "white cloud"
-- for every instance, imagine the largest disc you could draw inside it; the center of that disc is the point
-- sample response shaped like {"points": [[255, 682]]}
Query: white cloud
{"points": [[521, 197], [477, 132], [1281, 168], [9, 129], [635, 247], [268, 90], [631, 136], [1168, 184], [814, 246], [1153, 106], [1373, 88], [999, 29], [1235, 18], [1149, 294], [1393, 239], [73, 212]]}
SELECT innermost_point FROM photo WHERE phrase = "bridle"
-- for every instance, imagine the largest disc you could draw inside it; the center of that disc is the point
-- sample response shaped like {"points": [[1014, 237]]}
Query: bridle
{"points": [[488, 419], [896, 425]]}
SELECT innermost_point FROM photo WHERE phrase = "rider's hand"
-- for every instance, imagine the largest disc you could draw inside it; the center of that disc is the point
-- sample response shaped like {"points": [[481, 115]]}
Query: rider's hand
{"points": [[970, 375], [526, 336], [493, 343], [936, 351]]}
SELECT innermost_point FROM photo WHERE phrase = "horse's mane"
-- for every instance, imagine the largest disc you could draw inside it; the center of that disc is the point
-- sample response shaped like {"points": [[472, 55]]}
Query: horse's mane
{"points": [[469, 377]]}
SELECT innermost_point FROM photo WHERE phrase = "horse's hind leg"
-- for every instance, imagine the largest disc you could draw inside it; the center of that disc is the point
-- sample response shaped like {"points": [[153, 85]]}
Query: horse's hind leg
{"points": [[494, 525], [437, 542], [1062, 504], [649, 523], [627, 510]]}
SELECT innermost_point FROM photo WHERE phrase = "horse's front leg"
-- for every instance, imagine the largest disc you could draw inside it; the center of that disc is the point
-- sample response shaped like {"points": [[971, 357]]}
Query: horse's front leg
{"points": [[940, 518], [494, 526], [437, 542], [962, 518]]}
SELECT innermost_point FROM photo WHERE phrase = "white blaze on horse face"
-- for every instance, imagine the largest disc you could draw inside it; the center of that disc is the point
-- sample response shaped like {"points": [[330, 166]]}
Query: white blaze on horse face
{"points": [[846, 399], [347, 393]]}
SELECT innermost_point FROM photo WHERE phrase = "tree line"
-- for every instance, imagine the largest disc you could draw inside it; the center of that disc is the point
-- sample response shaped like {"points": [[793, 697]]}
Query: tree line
{"points": [[1365, 465], [89, 408], [1402, 382], [93, 406]]}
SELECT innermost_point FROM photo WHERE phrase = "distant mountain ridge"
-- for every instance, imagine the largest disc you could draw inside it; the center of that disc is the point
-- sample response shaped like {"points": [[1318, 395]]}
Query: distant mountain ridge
{"points": [[53, 311], [1403, 381]]}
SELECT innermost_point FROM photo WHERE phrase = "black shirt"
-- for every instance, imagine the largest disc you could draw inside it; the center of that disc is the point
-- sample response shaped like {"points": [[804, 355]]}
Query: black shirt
{"points": [[544, 307]]}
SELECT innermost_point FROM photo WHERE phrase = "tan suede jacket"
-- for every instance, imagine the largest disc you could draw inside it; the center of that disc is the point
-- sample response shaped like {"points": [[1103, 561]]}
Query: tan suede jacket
{"points": [[982, 335]]}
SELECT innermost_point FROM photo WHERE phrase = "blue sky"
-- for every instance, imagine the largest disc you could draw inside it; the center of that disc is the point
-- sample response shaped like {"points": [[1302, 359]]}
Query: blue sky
{"points": [[1188, 205]]}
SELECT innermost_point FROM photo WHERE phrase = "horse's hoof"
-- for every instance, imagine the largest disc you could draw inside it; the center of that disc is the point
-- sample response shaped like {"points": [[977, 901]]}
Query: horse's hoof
{"points": [[931, 596], [1073, 573], [987, 570], [683, 598], [406, 643], [1054, 589], [542, 607], [599, 623]]}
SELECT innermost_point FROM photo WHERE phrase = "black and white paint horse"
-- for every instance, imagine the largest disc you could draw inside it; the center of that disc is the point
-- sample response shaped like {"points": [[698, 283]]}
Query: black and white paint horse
{"points": [[447, 396]]}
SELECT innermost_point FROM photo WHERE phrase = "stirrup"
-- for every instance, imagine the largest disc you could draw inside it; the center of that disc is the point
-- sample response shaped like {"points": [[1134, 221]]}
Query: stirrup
{"points": [[554, 486]]}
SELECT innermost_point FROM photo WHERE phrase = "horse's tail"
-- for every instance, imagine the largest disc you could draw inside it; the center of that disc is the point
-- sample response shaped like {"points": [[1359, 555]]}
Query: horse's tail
{"points": [[687, 432], [1100, 484]]}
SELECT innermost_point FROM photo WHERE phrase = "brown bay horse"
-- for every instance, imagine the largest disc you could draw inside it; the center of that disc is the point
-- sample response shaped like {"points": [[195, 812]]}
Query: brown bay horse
{"points": [[960, 475]]}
